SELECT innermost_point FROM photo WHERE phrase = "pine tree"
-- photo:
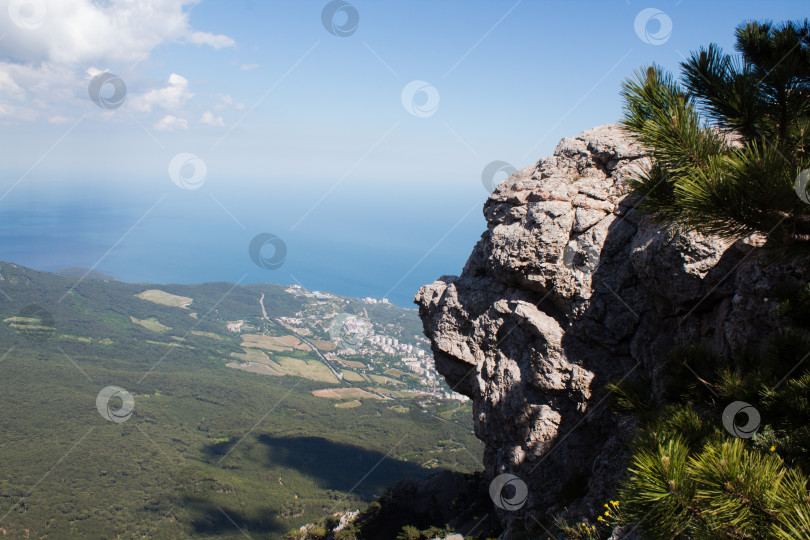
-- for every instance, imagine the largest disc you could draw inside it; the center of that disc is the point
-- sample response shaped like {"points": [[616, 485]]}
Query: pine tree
{"points": [[724, 491], [729, 142]]}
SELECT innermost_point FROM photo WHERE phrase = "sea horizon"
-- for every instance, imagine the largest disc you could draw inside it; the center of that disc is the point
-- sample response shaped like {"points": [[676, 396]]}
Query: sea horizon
{"points": [[152, 232]]}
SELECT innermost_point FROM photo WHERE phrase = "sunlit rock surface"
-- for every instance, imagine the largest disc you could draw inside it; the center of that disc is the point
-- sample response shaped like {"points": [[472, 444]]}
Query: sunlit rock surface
{"points": [[567, 290]]}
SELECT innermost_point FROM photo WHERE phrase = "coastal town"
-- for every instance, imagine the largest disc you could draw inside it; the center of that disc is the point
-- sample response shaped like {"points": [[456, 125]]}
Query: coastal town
{"points": [[373, 344]]}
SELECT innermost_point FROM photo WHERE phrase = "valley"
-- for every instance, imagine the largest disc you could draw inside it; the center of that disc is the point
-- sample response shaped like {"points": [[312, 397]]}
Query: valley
{"points": [[257, 408]]}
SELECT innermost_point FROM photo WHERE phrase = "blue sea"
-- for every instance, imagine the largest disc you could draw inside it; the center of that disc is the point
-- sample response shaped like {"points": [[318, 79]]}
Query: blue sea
{"points": [[377, 240]]}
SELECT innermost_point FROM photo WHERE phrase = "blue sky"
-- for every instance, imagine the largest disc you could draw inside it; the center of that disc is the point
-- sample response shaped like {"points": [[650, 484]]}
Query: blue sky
{"points": [[303, 132]]}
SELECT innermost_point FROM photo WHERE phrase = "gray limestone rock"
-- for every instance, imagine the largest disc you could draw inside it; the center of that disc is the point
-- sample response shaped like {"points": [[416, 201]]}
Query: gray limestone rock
{"points": [[568, 289]]}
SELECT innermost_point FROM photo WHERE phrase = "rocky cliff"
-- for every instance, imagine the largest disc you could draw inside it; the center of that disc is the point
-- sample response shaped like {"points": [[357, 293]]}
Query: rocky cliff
{"points": [[568, 289]]}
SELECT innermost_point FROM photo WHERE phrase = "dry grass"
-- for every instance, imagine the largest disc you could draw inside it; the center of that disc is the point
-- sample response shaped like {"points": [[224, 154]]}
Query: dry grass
{"points": [[387, 392], [353, 376], [344, 393], [164, 298], [30, 324], [151, 324], [348, 405], [352, 364], [299, 331], [379, 379], [251, 367], [270, 343], [324, 345], [307, 369]]}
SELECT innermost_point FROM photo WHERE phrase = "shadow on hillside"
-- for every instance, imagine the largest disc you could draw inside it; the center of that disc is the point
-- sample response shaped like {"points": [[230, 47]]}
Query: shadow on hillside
{"points": [[339, 466], [333, 465], [212, 519]]}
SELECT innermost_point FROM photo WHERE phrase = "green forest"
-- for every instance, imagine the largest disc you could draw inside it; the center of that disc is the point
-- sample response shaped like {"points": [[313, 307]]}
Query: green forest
{"points": [[208, 451]]}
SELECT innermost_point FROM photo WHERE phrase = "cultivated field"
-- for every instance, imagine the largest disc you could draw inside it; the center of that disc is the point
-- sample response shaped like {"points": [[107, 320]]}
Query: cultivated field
{"points": [[344, 393], [252, 367], [164, 298], [379, 379], [348, 404], [308, 369], [324, 345], [270, 343], [353, 376], [352, 364]]}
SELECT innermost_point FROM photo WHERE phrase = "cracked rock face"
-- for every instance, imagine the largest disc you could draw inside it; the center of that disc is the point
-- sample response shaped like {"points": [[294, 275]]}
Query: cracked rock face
{"points": [[567, 290]]}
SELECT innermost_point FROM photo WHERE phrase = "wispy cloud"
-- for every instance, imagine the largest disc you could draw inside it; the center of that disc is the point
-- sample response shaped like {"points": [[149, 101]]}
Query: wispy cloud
{"points": [[171, 97], [217, 41], [171, 123], [210, 119]]}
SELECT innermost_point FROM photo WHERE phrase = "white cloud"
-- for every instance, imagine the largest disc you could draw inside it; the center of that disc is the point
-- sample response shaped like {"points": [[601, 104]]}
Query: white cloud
{"points": [[216, 41], [114, 31], [209, 118], [171, 97], [42, 67], [171, 123], [248, 67]]}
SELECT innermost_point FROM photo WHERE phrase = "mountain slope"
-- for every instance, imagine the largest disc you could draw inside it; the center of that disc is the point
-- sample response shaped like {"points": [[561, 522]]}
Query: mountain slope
{"points": [[204, 445]]}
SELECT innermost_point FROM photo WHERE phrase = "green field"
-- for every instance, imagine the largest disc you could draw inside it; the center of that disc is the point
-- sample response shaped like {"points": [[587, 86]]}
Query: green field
{"points": [[152, 324]]}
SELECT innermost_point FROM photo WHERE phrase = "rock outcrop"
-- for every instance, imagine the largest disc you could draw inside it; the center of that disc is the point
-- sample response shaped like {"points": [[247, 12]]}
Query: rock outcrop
{"points": [[568, 289]]}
